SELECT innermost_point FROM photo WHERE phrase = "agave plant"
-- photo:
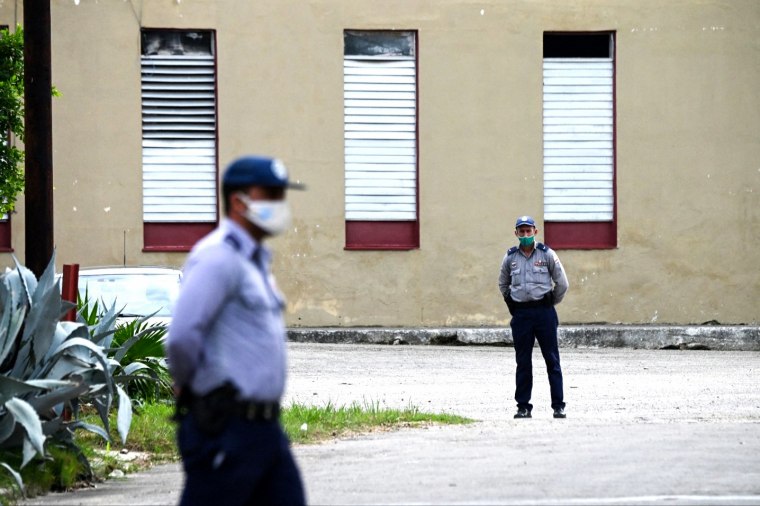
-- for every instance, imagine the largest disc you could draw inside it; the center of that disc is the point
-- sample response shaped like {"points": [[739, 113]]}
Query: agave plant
{"points": [[49, 366]]}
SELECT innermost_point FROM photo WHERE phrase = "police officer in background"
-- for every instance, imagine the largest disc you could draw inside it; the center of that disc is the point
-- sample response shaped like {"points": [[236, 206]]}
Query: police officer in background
{"points": [[227, 350], [532, 281]]}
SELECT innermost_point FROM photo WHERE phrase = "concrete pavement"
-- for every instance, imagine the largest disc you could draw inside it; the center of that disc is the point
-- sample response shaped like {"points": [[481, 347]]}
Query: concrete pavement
{"points": [[643, 427]]}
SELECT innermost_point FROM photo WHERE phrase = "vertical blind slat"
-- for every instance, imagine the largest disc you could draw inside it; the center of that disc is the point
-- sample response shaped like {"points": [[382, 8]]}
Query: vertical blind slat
{"points": [[579, 170], [379, 174], [179, 138]]}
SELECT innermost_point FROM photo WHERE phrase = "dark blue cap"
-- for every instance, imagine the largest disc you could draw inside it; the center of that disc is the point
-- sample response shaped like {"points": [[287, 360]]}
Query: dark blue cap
{"points": [[258, 171], [525, 220]]}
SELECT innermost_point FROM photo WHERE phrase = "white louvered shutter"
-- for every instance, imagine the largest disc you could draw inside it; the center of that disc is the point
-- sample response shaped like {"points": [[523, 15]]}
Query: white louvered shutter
{"points": [[380, 138], [179, 138], [578, 139]]}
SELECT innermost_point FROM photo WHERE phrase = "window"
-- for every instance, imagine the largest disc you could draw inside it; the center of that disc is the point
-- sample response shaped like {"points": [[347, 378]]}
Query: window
{"points": [[380, 139], [179, 145], [579, 140]]}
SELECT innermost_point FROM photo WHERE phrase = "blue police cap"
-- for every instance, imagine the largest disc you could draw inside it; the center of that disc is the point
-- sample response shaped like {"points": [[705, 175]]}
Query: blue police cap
{"points": [[258, 171], [525, 220]]}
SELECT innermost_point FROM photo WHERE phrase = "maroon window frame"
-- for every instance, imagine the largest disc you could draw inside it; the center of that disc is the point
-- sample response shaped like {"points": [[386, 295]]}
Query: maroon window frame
{"points": [[581, 234], [382, 235], [182, 236], [176, 236], [392, 235], [5, 235], [591, 234]]}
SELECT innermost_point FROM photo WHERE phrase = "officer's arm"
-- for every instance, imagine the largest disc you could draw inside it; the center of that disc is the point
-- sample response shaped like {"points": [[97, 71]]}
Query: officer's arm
{"points": [[505, 280], [206, 282], [559, 277]]}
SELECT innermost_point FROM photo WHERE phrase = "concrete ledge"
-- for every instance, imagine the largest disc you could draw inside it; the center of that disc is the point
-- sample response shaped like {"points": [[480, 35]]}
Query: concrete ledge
{"points": [[697, 337]]}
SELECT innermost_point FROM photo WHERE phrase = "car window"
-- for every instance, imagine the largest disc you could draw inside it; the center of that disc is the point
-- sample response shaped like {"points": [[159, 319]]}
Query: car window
{"points": [[138, 294]]}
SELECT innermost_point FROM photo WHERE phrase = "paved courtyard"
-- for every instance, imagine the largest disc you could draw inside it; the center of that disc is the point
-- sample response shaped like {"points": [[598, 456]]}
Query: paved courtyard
{"points": [[643, 427], [669, 427]]}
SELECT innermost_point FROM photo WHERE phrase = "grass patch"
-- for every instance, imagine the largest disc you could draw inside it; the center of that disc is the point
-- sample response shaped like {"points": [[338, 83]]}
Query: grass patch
{"points": [[153, 430], [310, 424], [153, 433], [62, 471]]}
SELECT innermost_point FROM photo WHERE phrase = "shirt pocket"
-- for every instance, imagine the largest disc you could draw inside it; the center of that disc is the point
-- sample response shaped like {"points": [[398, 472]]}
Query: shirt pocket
{"points": [[515, 277], [539, 274], [255, 295]]}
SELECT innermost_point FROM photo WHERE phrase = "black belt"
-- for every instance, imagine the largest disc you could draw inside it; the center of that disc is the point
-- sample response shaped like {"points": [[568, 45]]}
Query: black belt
{"points": [[256, 411], [546, 301], [216, 407]]}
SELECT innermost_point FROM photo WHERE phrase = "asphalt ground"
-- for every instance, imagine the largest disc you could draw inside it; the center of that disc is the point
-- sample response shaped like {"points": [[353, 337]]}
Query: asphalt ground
{"points": [[643, 427]]}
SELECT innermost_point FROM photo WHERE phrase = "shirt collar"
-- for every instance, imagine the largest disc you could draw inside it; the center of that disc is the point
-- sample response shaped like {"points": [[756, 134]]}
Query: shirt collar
{"points": [[248, 245]]}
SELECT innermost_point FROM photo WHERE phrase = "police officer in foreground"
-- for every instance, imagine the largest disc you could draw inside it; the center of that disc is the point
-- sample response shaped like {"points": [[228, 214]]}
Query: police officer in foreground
{"points": [[226, 349], [532, 281]]}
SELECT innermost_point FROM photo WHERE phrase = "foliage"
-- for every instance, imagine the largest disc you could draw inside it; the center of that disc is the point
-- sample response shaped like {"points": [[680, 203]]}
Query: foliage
{"points": [[138, 345], [153, 430], [64, 468], [11, 115], [48, 368], [143, 346]]}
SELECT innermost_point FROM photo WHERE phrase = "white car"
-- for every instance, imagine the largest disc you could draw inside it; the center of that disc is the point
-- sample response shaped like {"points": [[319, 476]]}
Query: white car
{"points": [[137, 291]]}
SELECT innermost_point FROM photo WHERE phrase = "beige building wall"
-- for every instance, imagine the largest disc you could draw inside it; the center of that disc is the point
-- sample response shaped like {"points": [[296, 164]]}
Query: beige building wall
{"points": [[688, 151]]}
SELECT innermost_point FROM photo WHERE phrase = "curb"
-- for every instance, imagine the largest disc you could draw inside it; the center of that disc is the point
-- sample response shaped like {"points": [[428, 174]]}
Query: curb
{"points": [[692, 337]]}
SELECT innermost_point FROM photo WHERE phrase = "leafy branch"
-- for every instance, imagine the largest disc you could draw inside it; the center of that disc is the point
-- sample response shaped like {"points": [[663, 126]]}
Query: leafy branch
{"points": [[11, 116]]}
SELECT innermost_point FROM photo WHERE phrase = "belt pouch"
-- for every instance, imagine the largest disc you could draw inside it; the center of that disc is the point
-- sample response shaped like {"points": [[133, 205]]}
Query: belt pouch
{"points": [[213, 410]]}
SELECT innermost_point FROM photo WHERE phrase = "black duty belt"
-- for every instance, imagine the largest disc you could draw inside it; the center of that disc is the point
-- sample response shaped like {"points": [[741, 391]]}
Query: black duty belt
{"points": [[256, 411], [546, 301], [213, 410]]}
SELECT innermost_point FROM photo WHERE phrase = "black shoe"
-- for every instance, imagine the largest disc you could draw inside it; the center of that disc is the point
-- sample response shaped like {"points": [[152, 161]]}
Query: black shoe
{"points": [[522, 413], [559, 413]]}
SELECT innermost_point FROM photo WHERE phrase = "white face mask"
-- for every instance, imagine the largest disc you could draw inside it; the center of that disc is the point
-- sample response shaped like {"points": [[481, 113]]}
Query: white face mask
{"points": [[271, 216]]}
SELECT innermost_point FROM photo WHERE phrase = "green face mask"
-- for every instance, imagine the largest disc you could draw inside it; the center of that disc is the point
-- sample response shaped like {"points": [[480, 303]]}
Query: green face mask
{"points": [[527, 241]]}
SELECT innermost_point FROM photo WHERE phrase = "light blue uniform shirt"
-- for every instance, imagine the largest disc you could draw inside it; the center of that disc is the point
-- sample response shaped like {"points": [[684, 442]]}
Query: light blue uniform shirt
{"points": [[227, 323], [529, 278]]}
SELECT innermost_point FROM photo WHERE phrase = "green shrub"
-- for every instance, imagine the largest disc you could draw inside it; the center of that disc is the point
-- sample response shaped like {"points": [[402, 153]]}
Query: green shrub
{"points": [[11, 116], [138, 346], [48, 367]]}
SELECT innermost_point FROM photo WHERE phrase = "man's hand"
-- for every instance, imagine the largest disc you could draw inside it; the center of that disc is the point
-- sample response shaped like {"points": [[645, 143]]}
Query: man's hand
{"points": [[510, 303]]}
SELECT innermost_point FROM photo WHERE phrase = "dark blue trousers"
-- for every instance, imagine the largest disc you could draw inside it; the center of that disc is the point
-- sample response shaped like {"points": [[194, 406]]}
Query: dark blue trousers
{"points": [[246, 463], [528, 325]]}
